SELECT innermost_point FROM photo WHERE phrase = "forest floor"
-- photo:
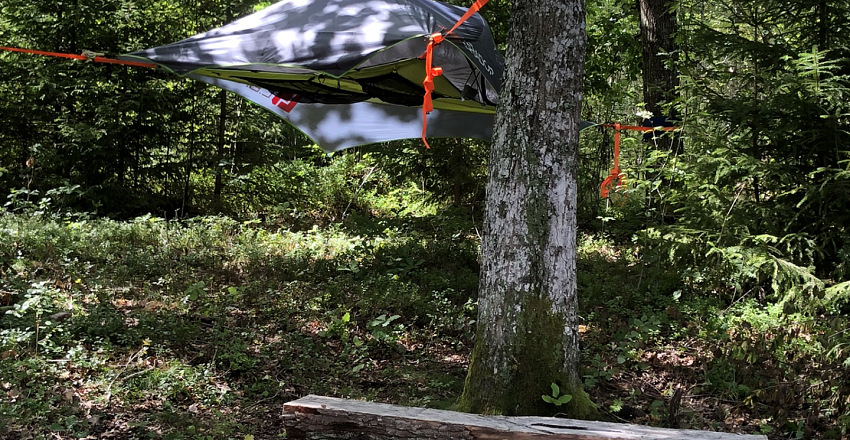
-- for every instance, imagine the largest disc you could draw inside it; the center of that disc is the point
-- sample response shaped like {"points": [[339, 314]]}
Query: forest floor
{"points": [[203, 329]]}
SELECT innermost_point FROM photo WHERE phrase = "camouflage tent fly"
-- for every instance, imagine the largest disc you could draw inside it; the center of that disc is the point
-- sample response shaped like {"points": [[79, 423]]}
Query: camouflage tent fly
{"points": [[350, 72]]}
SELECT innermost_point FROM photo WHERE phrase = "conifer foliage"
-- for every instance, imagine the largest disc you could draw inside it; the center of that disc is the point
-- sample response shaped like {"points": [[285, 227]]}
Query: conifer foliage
{"points": [[765, 100]]}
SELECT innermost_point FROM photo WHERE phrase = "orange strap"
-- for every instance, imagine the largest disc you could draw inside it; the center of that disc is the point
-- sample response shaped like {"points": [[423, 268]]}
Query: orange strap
{"points": [[608, 183], [433, 72], [615, 174], [97, 59], [430, 73], [639, 127], [469, 13]]}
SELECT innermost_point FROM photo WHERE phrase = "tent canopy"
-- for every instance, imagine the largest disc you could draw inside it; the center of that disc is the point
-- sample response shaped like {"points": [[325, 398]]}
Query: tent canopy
{"points": [[350, 72]]}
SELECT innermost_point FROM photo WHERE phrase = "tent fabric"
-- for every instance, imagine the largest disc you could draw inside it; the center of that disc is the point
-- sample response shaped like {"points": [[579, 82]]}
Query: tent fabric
{"points": [[323, 54], [339, 126]]}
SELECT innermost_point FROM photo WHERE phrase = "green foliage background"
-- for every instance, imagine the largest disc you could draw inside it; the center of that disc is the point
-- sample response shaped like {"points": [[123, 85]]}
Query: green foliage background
{"points": [[751, 212]]}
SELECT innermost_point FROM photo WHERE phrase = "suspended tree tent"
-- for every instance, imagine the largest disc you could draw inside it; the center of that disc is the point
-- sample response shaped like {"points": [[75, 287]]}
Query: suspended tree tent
{"points": [[351, 72]]}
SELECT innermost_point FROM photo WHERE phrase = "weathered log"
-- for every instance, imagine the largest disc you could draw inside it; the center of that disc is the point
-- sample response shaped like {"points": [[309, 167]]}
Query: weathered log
{"points": [[318, 417]]}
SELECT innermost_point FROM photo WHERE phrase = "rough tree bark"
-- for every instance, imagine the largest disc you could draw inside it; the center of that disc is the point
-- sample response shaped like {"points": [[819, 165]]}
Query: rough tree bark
{"points": [[658, 51], [527, 334]]}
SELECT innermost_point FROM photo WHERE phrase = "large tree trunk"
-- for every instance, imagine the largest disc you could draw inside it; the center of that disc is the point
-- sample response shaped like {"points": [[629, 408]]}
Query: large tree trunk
{"points": [[659, 51], [527, 334], [660, 80]]}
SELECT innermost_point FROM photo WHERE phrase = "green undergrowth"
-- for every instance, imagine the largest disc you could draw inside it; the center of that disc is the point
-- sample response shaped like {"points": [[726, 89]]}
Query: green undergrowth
{"points": [[203, 328], [741, 361]]}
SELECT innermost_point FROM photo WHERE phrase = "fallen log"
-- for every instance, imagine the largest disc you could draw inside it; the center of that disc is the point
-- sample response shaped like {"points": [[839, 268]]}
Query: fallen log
{"points": [[317, 417]]}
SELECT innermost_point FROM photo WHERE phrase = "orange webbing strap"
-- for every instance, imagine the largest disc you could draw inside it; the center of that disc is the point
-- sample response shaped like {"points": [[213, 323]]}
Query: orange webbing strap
{"points": [[430, 73], [469, 13], [433, 72], [615, 174], [97, 59], [606, 185], [639, 127]]}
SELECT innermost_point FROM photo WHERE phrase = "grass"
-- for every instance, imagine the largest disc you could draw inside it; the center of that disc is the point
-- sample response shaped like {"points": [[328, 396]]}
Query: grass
{"points": [[202, 329]]}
